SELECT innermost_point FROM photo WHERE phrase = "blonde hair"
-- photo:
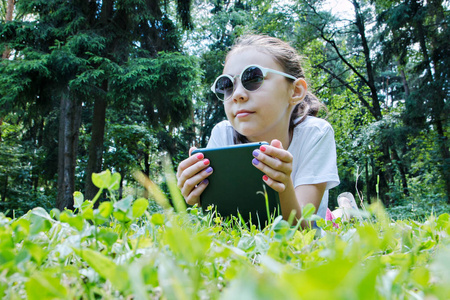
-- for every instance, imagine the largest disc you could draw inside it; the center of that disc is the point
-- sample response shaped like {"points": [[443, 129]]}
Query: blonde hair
{"points": [[288, 58]]}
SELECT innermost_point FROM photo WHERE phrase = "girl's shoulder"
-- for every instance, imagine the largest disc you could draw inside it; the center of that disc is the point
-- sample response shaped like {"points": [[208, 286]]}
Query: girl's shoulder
{"points": [[223, 124], [313, 123], [223, 128], [221, 135]]}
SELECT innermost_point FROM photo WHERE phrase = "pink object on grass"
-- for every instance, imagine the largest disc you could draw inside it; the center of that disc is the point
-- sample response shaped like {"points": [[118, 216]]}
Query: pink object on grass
{"points": [[330, 217]]}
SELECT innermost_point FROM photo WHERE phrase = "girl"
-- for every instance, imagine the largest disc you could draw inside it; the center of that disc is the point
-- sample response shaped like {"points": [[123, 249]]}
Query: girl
{"points": [[266, 98]]}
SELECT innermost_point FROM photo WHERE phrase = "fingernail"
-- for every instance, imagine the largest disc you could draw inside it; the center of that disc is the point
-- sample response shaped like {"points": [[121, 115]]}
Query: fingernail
{"points": [[200, 156], [205, 181], [263, 148], [206, 162], [209, 170], [255, 161], [255, 153], [265, 178]]}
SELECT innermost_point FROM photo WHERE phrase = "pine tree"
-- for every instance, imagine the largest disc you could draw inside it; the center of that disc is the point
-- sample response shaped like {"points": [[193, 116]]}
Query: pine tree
{"points": [[75, 52]]}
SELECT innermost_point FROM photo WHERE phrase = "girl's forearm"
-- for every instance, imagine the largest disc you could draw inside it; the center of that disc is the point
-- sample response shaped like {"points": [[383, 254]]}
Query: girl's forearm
{"points": [[296, 198], [289, 202]]}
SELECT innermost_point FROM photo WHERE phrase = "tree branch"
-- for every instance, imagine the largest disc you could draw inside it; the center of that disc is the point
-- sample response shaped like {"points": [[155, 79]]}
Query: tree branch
{"points": [[349, 87]]}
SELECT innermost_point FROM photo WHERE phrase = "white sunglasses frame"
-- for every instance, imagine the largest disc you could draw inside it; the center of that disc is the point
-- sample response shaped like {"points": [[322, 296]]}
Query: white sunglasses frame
{"points": [[232, 78]]}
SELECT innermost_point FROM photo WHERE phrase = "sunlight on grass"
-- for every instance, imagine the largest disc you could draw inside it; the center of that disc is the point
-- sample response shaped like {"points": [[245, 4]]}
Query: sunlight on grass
{"points": [[122, 249]]}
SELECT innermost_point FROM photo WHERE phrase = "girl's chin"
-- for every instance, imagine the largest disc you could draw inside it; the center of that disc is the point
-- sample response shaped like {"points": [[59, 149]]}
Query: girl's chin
{"points": [[247, 129], [249, 135]]}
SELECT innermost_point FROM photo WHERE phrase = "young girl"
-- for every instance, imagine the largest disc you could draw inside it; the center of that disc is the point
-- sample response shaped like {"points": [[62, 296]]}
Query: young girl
{"points": [[266, 98]]}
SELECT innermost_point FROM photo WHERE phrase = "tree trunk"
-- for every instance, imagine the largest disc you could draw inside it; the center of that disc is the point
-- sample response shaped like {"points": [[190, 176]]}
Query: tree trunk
{"points": [[437, 96], [367, 182], [69, 124], [5, 189], [359, 22], [95, 159], [121, 187], [404, 82], [445, 154], [8, 18], [386, 174], [147, 159], [402, 170], [94, 164]]}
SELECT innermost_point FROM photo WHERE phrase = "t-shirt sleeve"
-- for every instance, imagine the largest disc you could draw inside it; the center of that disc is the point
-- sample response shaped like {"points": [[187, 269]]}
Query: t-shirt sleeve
{"points": [[221, 135], [316, 157]]}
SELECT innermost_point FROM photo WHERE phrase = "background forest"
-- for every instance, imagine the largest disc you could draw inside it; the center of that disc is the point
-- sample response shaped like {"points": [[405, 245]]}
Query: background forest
{"points": [[92, 85]]}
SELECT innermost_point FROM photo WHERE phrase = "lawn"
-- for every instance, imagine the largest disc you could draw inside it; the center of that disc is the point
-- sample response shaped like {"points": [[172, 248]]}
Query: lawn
{"points": [[138, 249]]}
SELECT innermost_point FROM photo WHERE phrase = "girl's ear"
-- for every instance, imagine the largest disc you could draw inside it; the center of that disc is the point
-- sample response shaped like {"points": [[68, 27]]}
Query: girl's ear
{"points": [[299, 91]]}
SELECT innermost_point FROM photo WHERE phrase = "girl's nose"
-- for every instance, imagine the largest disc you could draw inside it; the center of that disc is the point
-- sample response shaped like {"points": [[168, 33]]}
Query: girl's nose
{"points": [[240, 93]]}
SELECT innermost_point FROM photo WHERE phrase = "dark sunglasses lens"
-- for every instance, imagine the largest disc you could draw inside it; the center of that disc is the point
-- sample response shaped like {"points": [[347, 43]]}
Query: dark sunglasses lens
{"points": [[252, 78], [224, 87]]}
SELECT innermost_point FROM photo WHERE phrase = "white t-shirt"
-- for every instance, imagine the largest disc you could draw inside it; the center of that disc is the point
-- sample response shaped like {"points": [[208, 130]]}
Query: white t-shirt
{"points": [[313, 149]]}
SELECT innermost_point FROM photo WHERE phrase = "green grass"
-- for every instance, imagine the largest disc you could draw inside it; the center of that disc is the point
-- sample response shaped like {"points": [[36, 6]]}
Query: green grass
{"points": [[122, 250]]}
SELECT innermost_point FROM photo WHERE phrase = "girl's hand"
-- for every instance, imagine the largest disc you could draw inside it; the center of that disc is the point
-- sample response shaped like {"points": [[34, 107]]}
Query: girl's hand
{"points": [[276, 164], [191, 175]]}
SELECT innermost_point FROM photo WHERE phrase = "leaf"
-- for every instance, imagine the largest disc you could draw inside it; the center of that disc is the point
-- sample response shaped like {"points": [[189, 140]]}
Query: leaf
{"points": [[281, 228], [176, 284], [39, 223], [114, 182], [88, 214], [42, 286], [78, 199], [54, 213], [105, 267], [246, 243], [139, 207], [105, 209], [121, 216], [102, 180], [124, 204], [36, 251], [39, 211], [308, 211], [443, 221], [157, 219], [76, 222], [108, 236], [65, 216]]}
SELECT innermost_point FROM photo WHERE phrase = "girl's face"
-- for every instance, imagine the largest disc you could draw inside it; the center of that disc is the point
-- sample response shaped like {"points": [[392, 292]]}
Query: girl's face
{"points": [[264, 114]]}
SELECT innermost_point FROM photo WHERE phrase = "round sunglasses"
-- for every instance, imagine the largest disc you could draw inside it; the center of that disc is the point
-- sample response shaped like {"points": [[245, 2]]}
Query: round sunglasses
{"points": [[252, 78]]}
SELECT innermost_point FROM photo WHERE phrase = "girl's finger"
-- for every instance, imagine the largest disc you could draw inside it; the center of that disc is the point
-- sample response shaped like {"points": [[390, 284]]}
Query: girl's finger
{"points": [[278, 153], [193, 166], [188, 162], [272, 162], [276, 185], [192, 182], [194, 196], [273, 174]]}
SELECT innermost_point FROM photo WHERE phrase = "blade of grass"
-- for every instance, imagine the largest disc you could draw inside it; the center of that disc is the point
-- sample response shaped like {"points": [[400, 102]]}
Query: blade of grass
{"points": [[153, 189], [178, 200]]}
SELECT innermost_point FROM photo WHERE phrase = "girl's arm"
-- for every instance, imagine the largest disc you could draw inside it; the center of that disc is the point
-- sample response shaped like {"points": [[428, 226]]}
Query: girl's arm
{"points": [[304, 194], [276, 164]]}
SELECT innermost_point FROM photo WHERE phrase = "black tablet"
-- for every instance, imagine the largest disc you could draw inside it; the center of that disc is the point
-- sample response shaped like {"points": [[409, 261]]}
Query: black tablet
{"points": [[236, 186]]}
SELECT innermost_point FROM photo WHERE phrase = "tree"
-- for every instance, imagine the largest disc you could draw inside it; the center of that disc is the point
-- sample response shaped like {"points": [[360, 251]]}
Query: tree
{"points": [[404, 24], [73, 51]]}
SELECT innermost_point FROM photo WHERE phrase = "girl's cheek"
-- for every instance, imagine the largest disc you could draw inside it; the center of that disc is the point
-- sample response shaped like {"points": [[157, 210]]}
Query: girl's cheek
{"points": [[227, 110]]}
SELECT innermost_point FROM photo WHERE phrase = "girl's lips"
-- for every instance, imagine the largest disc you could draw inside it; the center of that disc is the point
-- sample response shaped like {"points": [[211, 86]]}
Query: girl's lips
{"points": [[243, 113]]}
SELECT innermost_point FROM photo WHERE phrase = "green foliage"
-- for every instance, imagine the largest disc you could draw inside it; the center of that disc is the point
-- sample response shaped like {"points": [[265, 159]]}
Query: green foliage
{"points": [[155, 79], [123, 250]]}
